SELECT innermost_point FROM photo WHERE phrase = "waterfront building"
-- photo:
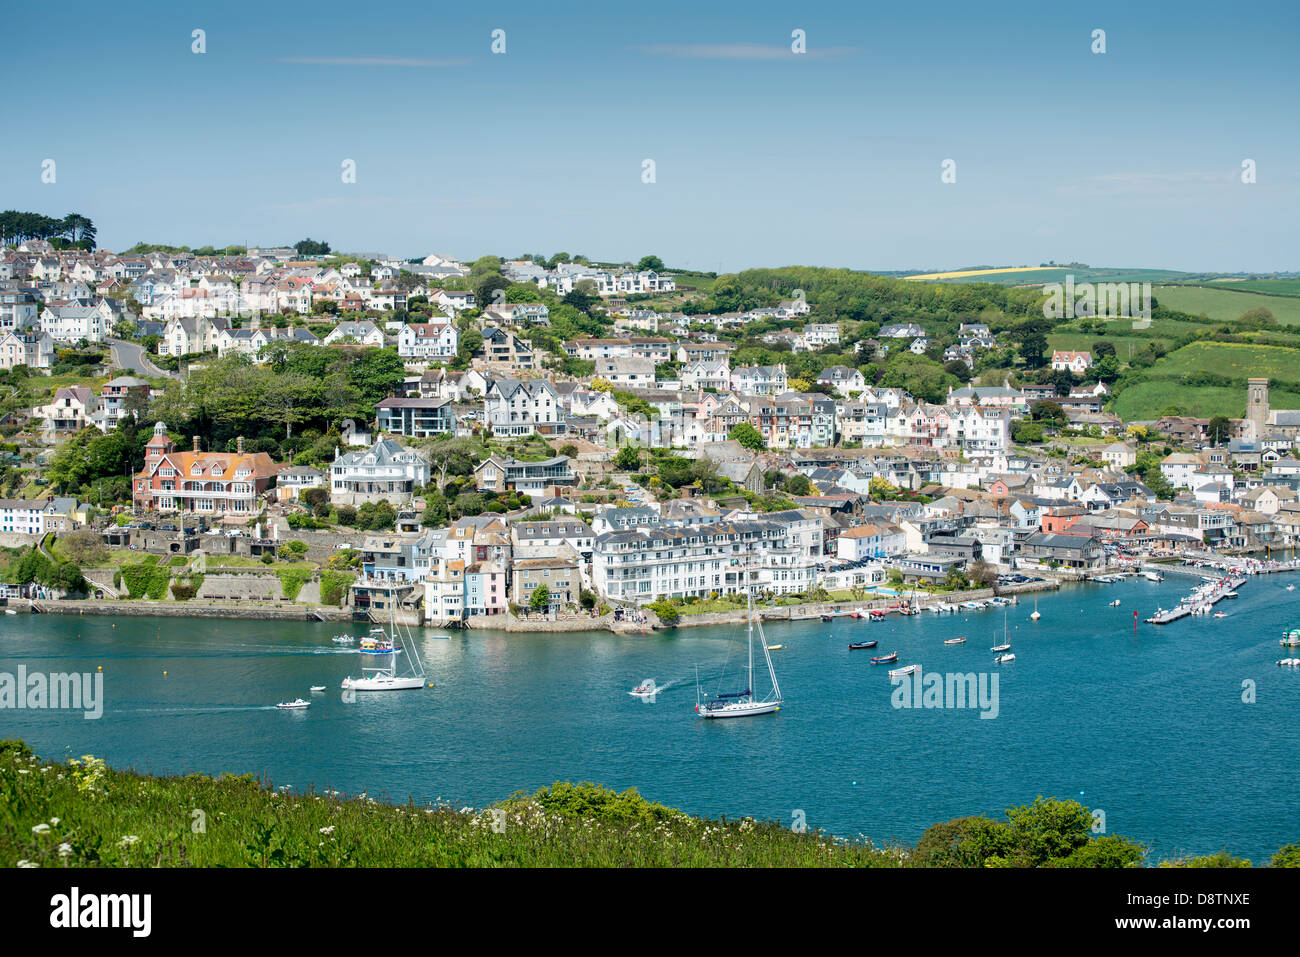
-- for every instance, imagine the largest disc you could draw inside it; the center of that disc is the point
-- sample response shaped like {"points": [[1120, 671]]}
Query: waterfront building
{"points": [[640, 565]]}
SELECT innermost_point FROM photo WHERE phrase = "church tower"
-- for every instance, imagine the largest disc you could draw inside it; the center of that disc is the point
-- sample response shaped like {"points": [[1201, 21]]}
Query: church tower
{"points": [[1256, 406]]}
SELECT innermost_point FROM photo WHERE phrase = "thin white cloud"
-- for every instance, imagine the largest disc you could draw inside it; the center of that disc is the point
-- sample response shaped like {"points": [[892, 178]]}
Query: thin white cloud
{"points": [[373, 61], [741, 51]]}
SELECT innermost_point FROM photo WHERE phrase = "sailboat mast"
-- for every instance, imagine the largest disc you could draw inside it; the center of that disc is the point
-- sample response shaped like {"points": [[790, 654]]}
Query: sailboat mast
{"points": [[749, 600]]}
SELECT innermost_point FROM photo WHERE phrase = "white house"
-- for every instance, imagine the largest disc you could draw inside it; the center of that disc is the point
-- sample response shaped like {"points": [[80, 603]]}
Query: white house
{"points": [[427, 340]]}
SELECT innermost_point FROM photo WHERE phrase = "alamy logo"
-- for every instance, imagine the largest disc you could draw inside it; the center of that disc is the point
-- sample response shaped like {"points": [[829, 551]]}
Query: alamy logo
{"points": [[38, 691], [935, 690], [1101, 300], [73, 910]]}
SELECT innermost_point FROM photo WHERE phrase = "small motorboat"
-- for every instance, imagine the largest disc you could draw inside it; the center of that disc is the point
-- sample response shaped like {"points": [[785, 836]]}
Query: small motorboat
{"points": [[877, 616], [343, 639], [644, 689], [775, 647], [293, 705], [1006, 647], [903, 672], [1290, 663], [1115, 603], [885, 659], [10, 611], [317, 688], [1290, 642], [1219, 614], [954, 641], [826, 618], [1009, 656], [862, 645], [1288, 588]]}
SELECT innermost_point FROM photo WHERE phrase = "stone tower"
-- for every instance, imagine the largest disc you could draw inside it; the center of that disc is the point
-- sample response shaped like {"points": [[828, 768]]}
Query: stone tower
{"points": [[1256, 406]]}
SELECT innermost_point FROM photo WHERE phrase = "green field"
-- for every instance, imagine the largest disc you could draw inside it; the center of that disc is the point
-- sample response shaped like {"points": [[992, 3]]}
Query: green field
{"points": [[1150, 399], [1238, 360], [1165, 386], [1226, 304], [1090, 274], [1272, 287]]}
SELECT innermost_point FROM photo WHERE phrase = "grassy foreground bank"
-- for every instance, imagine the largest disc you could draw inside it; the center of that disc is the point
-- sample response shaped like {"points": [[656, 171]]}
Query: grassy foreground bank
{"points": [[85, 814]]}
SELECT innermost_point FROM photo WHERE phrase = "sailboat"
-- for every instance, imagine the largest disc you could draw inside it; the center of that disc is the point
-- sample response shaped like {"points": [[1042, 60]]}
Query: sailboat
{"points": [[1006, 637], [1035, 616], [743, 704], [387, 679]]}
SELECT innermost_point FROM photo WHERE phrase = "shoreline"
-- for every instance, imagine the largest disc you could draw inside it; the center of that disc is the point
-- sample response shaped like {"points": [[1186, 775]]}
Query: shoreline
{"points": [[511, 624]]}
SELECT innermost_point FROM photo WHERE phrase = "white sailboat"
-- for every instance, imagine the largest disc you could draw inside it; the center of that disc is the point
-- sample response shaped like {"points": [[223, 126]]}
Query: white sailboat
{"points": [[1035, 616], [743, 704], [387, 679], [1006, 636]]}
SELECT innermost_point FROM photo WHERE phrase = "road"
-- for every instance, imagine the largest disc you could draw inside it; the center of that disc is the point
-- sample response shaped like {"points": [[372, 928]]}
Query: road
{"points": [[131, 358]]}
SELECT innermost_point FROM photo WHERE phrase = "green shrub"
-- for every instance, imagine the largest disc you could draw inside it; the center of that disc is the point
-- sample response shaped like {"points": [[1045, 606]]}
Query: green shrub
{"points": [[292, 580], [334, 586], [666, 610]]}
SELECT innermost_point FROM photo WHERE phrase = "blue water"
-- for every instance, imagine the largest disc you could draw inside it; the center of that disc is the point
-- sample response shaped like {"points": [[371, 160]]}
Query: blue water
{"points": [[1150, 728]]}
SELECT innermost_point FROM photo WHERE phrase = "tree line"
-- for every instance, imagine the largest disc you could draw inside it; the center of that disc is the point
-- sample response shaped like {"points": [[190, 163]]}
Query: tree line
{"points": [[73, 229]]}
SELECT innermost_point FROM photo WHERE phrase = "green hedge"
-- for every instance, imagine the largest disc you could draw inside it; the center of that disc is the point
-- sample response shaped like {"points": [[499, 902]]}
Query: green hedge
{"points": [[146, 579], [334, 586], [186, 589], [292, 580]]}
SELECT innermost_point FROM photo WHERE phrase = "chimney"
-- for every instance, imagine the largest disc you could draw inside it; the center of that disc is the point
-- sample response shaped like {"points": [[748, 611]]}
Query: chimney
{"points": [[196, 443], [239, 445]]}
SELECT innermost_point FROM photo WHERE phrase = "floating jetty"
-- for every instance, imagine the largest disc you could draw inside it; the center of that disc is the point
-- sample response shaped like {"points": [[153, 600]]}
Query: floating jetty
{"points": [[1201, 601]]}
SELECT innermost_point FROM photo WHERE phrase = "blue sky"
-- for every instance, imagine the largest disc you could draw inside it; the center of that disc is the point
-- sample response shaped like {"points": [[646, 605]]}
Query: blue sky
{"points": [[763, 158]]}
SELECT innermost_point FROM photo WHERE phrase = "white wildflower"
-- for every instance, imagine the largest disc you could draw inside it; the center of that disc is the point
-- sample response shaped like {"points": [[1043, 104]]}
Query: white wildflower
{"points": [[40, 829], [129, 839], [28, 864], [65, 849]]}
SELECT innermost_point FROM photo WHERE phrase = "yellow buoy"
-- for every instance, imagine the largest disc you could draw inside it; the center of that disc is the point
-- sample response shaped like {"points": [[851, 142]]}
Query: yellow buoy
{"points": [[164, 674]]}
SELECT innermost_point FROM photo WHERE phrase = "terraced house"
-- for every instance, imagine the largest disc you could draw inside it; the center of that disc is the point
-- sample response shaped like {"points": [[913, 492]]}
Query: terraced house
{"points": [[795, 421]]}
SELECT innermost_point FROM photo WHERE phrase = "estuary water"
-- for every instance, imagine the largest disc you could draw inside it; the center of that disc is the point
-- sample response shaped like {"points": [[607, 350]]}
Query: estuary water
{"points": [[1150, 727]]}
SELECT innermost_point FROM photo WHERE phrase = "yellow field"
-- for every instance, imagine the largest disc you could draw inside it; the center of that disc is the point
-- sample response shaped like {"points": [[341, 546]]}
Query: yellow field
{"points": [[982, 272]]}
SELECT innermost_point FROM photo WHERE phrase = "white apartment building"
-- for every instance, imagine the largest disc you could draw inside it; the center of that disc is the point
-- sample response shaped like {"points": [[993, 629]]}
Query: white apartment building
{"points": [[640, 565]]}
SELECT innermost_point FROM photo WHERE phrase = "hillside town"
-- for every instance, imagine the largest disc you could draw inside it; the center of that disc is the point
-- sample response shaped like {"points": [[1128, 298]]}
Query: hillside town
{"points": [[547, 439]]}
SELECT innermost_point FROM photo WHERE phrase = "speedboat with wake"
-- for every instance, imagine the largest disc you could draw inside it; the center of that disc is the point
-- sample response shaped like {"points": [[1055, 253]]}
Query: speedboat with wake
{"points": [[293, 705], [644, 690]]}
